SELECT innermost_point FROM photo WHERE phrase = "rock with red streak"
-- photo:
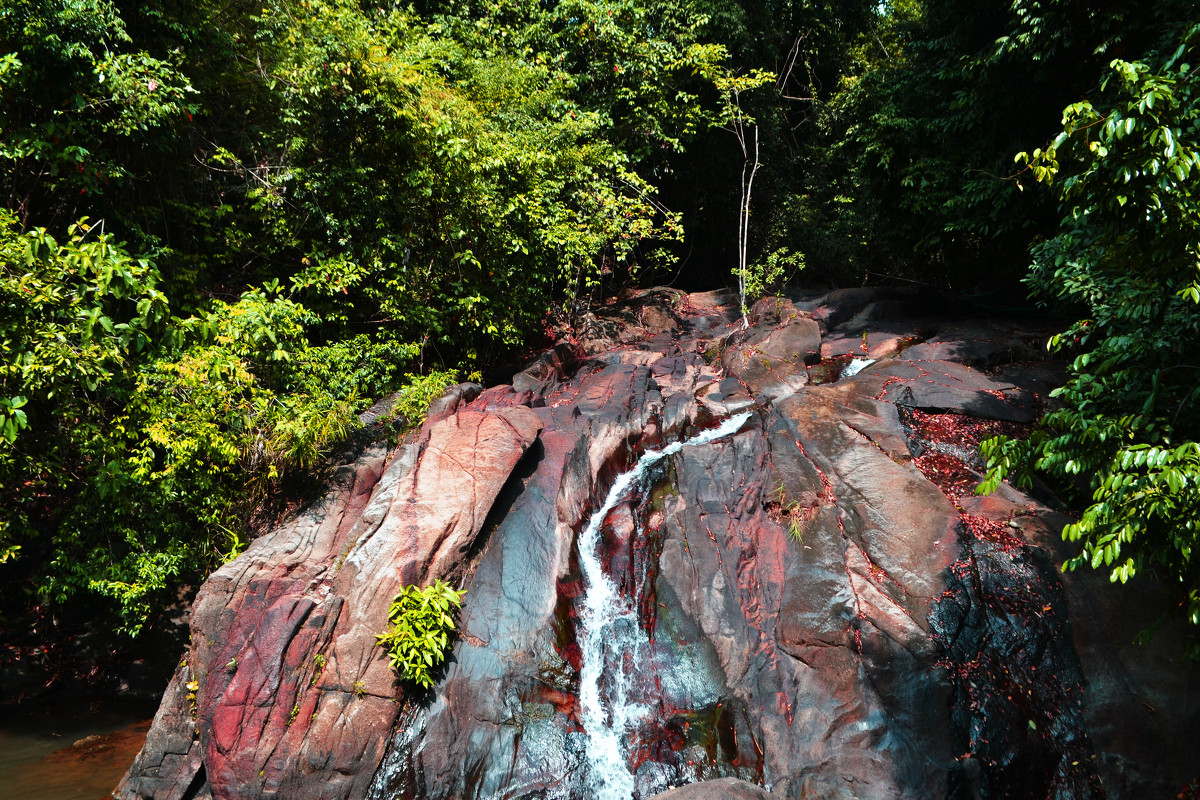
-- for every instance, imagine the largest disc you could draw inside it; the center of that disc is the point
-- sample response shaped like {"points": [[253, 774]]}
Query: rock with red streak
{"points": [[820, 620], [284, 686]]}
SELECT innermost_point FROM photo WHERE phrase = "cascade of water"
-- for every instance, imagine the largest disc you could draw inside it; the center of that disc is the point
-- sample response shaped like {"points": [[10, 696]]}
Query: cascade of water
{"points": [[613, 636], [856, 366]]}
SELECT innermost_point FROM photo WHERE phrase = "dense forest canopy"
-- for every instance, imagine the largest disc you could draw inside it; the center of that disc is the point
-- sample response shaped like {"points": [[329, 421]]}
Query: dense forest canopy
{"points": [[229, 227]]}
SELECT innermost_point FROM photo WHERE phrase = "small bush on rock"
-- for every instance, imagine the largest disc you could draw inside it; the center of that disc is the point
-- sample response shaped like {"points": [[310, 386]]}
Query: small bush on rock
{"points": [[419, 635]]}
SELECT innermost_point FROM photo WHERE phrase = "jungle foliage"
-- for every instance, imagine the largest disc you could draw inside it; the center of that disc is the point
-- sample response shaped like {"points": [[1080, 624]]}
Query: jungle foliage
{"points": [[228, 228], [418, 636], [1127, 252]]}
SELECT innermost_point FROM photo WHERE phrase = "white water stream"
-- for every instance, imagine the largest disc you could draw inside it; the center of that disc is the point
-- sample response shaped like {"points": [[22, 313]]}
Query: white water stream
{"points": [[856, 366], [612, 636]]}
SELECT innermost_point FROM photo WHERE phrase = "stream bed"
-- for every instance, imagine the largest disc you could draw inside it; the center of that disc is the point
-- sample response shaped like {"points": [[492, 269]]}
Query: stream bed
{"points": [[69, 750]]}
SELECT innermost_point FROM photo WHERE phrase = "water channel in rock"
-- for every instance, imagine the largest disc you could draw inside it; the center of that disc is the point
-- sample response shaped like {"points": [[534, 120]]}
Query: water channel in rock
{"points": [[613, 640]]}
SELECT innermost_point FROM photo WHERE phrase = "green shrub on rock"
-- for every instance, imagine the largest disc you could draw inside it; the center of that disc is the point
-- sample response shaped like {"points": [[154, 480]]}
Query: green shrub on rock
{"points": [[419, 634]]}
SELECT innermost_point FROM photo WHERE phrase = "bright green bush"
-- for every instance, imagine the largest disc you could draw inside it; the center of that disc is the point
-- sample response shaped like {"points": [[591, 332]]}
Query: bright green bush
{"points": [[419, 635], [412, 401], [1126, 167], [134, 446]]}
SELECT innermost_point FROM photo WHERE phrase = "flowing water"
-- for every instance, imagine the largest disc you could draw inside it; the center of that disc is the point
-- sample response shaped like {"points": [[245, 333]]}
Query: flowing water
{"points": [[614, 639], [856, 366]]}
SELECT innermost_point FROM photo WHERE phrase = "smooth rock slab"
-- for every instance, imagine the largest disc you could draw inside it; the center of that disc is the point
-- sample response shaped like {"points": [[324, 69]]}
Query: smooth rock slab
{"points": [[272, 719], [946, 386]]}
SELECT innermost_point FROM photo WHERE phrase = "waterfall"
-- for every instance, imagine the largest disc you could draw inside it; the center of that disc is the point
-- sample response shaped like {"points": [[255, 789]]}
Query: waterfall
{"points": [[856, 366], [613, 636]]}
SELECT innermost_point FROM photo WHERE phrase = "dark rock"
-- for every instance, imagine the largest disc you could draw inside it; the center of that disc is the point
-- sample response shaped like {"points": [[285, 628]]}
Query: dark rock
{"points": [[1039, 377], [858, 309], [171, 761], [647, 316], [552, 364], [983, 344], [458, 395], [947, 386]]}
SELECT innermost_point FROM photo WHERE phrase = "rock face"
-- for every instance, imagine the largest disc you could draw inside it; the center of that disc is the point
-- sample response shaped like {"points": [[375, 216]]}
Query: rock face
{"points": [[828, 611]]}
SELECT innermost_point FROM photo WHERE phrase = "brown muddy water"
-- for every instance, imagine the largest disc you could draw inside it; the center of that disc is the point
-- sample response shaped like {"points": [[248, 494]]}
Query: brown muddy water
{"points": [[68, 750]]}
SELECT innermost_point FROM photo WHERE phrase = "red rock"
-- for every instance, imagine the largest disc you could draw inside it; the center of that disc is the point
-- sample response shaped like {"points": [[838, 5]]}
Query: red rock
{"points": [[321, 585], [820, 618]]}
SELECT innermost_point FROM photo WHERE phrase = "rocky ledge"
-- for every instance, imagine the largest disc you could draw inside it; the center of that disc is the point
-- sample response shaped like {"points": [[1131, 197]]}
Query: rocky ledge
{"points": [[828, 610]]}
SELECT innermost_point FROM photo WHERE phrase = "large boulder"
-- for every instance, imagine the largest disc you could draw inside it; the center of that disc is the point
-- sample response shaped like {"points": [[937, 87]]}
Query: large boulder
{"points": [[283, 691], [816, 604]]}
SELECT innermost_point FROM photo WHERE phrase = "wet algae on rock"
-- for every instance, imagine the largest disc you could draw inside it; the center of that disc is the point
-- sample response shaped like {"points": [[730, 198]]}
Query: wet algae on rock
{"points": [[815, 604]]}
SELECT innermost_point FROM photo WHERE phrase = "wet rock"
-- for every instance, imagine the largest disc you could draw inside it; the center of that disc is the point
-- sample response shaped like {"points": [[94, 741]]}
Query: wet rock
{"points": [[720, 789], [828, 612]]}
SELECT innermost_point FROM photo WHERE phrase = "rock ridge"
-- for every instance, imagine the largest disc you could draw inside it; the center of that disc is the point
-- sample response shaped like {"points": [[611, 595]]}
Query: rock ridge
{"points": [[830, 612]]}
